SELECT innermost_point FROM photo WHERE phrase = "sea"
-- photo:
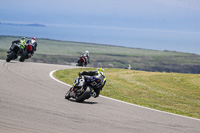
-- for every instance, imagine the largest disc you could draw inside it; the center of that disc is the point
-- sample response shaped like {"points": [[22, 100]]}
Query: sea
{"points": [[155, 39]]}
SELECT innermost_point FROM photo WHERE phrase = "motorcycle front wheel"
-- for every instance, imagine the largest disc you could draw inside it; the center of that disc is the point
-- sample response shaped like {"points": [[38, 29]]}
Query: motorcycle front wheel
{"points": [[10, 57], [67, 95]]}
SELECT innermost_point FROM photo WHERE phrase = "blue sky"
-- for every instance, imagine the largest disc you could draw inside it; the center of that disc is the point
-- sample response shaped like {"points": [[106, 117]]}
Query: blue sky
{"points": [[123, 13], [142, 22]]}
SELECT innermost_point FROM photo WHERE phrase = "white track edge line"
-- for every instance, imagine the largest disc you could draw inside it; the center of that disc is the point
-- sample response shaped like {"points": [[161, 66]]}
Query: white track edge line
{"points": [[51, 75]]}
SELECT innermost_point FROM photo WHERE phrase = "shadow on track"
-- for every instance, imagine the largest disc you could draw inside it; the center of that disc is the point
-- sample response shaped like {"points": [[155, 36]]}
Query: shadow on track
{"points": [[84, 102]]}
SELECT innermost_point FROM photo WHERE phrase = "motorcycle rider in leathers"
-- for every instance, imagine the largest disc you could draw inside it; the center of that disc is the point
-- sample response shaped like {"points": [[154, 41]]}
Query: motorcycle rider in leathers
{"points": [[87, 56], [33, 43], [97, 74], [21, 43]]}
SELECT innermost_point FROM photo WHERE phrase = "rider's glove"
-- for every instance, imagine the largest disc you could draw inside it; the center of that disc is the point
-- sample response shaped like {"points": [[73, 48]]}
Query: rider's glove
{"points": [[79, 74]]}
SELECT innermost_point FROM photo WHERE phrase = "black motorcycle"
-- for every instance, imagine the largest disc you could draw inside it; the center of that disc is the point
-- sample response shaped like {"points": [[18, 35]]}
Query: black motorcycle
{"points": [[14, 53], [80, 93]]}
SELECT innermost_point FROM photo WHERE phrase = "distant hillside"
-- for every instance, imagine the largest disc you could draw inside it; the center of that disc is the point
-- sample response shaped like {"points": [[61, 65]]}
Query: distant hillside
{"points": [[64, 52]]}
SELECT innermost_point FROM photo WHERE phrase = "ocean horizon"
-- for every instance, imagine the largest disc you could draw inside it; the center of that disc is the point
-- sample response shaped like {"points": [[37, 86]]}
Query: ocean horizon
{"points": [[154, 39]]}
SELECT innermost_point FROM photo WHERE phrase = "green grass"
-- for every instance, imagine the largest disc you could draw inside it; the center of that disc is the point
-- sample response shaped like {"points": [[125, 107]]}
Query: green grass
{"points": [[171, 92]]}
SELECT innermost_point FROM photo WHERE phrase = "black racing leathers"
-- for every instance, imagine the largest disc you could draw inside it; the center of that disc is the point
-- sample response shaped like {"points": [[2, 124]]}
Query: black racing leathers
{"points": [[16, 41]]}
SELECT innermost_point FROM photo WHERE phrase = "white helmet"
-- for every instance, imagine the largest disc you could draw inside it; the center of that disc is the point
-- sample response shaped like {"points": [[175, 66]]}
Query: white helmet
{"points": [[87, 52]]}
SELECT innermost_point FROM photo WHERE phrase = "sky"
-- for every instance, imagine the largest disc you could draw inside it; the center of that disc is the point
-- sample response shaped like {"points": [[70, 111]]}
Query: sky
{"points": [[157, 15], [121, 13]]}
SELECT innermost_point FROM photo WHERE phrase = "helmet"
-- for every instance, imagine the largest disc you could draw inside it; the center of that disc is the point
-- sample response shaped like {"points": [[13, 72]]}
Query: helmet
{"points": [[33, 38], [87, 52], [100, 69], [24, 38]]}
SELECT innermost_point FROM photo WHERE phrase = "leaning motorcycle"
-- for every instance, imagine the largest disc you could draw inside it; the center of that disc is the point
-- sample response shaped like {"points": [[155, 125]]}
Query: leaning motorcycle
{"points": [[82, 61], [27, 53], [80, 93], [14, 53]]}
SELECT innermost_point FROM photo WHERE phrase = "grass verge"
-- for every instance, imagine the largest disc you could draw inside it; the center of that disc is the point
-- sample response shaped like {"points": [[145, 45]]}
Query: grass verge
{"points": [[171, 92]]}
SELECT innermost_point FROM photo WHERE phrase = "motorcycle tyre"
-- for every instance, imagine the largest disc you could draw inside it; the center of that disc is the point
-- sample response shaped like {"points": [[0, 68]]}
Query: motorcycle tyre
{"points": [[85, 95], [80, 64], [67, 95], [10, 57], [23, 57]]}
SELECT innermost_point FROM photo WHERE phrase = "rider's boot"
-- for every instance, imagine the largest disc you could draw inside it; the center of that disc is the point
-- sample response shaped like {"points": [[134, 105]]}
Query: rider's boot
{"points": [[93, 94]]}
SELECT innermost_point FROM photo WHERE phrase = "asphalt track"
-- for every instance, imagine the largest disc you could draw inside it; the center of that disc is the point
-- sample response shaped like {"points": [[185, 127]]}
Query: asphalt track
{"points": [[32, 102]]}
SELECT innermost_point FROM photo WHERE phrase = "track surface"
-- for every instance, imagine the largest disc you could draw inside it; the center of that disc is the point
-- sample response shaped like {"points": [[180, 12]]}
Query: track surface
{"points": [[32, 102]]}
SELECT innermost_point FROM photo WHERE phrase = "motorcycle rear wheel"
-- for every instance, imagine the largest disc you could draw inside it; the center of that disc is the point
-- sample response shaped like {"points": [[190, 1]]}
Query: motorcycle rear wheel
{"points": [[84, 95], [23, 57]]}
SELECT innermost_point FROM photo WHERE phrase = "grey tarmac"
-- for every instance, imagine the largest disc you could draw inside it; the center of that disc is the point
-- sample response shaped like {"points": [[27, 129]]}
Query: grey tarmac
{"points": [[32, 102]]}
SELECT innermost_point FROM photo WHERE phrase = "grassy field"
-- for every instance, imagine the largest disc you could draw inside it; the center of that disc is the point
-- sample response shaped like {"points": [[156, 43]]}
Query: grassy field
{"points": [[171, 92], [64, 52]]}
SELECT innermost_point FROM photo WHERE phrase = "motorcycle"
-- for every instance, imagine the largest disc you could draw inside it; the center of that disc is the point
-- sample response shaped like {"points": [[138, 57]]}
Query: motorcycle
{"points": [[82, 61], [80, 93], [27, 53], [14, 53]]}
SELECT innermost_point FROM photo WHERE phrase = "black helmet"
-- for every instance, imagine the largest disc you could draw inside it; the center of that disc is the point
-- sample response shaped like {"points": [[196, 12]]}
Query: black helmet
{"points": [[24, 38]]}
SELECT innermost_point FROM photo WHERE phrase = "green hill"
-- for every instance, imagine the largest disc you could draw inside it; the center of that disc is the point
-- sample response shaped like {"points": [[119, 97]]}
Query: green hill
{"points": [[64, 52]]}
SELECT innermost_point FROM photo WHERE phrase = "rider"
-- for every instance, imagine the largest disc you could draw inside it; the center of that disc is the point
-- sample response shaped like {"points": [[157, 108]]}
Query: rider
{"points": [[21, 43], [97, 74], [83, 56], [33, 43], [87, 55]]}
